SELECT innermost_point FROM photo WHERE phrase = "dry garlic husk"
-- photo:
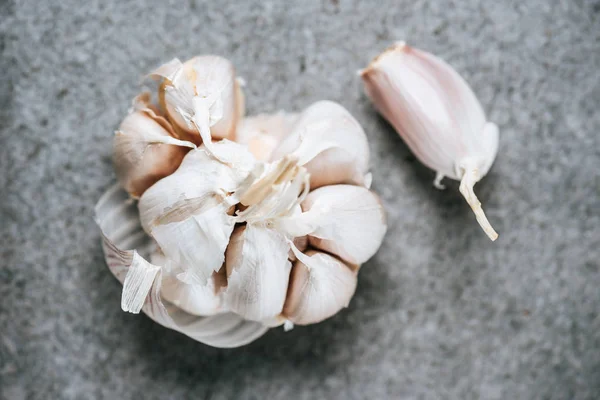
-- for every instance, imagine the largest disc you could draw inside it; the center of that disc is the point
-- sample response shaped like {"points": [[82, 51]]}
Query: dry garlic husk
{"points": [[202, 97], [320, 286], [188, 212], [145, 149], [195, 299], [263, 133], [330, 143], [118, 219], [347, 221], [258, 270], [437, 114]]}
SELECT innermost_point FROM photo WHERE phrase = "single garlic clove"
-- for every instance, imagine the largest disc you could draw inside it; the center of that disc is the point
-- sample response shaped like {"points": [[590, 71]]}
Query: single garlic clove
{"points": [[320, 286], [330, 143], [258, 272], [211, 81], [263, 133], [195, 299], [437, 114], [347, 221], [145, 150], [188, 212]]}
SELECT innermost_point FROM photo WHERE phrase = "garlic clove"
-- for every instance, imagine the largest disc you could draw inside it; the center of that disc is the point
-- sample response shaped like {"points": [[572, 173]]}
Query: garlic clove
{"points": [[145, 150], [262, 133], [195, 299], [320, 286], [330, 143], [258, 272], [211, 81], [349, 221], [438, 116], [345, 220]]}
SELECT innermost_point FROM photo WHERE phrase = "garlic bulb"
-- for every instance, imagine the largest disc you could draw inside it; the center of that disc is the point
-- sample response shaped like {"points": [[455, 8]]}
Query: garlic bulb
{"points": [[347, 221], [320, 286], [145, 149], [188, 212], [239, 242], [258, 271], [202, 97], [437, 114], [263, 133], [195, 299], [330, 143]]}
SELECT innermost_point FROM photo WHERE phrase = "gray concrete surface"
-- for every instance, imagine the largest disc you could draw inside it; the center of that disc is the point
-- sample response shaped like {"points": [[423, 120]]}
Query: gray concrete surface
{"points": [[440, 312]]}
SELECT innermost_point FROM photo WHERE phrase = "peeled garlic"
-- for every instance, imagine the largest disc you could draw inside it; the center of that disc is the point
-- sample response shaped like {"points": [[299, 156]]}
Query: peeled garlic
{"points": [[202, 97], [258, 271], [263, 133], [195, 299], [188, 212], [347, 221], [330, 143], [145, 149], [437, 114], [320, 286]]}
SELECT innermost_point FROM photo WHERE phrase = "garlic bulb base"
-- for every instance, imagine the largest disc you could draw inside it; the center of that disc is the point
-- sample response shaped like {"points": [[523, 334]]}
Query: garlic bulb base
{"points": [[470, 177]]}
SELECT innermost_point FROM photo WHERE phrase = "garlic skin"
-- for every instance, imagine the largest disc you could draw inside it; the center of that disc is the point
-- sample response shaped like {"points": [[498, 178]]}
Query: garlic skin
{"points": [[330, 144], [188, 212], [144, 148], [437, 114], [200, 300], [202, 97], [258, 271], [320, 286], [262, 133]]}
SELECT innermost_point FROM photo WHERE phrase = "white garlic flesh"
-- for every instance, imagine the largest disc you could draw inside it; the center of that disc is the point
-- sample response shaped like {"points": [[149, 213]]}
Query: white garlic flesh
{"points": [[330, 143], [437, 114], [320, 286]]}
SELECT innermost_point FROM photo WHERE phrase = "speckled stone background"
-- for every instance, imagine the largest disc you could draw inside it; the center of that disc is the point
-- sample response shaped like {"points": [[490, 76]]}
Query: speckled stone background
{"points": [[440, 312]]}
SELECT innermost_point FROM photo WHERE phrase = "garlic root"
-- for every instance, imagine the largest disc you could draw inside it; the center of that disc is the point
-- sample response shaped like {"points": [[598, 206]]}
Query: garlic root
{"points": [[470, 177]]}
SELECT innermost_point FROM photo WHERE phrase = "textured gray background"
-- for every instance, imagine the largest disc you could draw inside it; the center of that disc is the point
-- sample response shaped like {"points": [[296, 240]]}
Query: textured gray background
{"points": [[440, 313]]}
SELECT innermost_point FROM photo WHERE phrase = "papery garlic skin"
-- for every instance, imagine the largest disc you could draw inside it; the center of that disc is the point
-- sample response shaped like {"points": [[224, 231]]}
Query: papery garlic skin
{"points": [[258, 271], [320, 286], [330, 144], [437, 114], [210, 81], [188, 212], [262, 133], [145, 150], [195, 299]]}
